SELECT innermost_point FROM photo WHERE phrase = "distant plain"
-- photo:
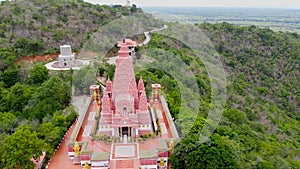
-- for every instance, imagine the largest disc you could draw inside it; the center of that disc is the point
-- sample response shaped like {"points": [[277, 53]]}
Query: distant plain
{"points": [[276, 19]]}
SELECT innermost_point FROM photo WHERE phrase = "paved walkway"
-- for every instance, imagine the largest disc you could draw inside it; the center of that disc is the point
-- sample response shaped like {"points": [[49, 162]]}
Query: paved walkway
{"points": [[166, 132], [112, 60], [61, 159], [50, 67], [88, 123], [125, 156]]}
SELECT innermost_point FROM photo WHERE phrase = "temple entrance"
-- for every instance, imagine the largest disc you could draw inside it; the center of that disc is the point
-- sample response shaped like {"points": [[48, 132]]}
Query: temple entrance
{"points": [[124, 131]]}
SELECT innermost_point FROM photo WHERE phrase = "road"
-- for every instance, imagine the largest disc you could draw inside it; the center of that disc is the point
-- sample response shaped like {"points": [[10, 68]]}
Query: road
{"points": [[148, 37], [113, 60]]}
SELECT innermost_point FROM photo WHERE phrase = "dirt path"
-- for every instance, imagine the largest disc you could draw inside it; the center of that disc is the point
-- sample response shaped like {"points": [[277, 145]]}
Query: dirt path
{"points": [[50, 57], [37, 58]]}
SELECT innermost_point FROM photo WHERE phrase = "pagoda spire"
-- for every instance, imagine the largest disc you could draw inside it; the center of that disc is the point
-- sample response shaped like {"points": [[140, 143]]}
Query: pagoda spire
{"points": [[124, 54], [105, 103], [141, 86], [124, 78], [124, 51], [108, 85], [143, 105]]}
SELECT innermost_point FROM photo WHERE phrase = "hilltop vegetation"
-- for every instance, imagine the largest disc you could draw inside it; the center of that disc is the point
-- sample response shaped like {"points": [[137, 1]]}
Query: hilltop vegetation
{"points": [[262, 62], [41, 26], [262, 109], [35, 109], [259, 127]]}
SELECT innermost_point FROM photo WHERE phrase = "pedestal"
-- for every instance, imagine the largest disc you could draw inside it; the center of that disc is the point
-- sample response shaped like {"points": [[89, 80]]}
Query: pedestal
{"points": [[76, 160]]}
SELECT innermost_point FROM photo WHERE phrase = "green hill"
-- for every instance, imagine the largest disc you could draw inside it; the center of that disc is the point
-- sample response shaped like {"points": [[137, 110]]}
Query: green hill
{"points": [[41, 26], [260, 124], [35, 110]]}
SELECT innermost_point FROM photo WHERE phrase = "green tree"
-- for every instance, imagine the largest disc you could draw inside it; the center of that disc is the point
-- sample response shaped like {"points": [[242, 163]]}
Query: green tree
{"points": [[265, 165], [49, 133], [29, 46], [235, 116], [53, 95], [44, 107], [8, 122], [38, 74], [83, 79], [10, 76], [2, 139], [20, 147], [7, 58], [17, 98], [190, 153], [71, 114], [133, 8]]}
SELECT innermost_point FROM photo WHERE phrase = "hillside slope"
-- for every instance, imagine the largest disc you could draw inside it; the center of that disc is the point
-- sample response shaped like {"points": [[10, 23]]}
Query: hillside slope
{"points": [[40, 26], [35, 110], [261, 120], [259, 127]]}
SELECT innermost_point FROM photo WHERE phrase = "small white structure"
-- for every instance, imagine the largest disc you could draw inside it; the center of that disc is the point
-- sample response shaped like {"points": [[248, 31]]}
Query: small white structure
{"points": [[66, 57], [127, 3]]}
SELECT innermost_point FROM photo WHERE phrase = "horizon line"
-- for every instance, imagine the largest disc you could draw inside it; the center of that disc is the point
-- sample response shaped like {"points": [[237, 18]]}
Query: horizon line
{"points": [[253, 7]]}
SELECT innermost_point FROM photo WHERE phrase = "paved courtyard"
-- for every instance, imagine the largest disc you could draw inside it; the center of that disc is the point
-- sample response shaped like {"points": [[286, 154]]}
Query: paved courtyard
{"points": [[124, 151]]}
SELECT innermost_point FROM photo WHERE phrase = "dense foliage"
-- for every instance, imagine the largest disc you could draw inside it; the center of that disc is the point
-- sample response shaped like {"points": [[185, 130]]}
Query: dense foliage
{"points": [[40, 26], [22, 145], [215, 153], [35, 109], [259, 124], [262, 110], [32, 113]]}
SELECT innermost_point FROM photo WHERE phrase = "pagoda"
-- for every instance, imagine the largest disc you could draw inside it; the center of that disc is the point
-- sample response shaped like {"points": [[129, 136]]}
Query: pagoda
{"points": [[132, 132], [124, 109]]}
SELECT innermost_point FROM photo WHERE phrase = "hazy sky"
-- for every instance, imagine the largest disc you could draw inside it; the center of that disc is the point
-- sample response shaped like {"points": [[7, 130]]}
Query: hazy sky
{"points": [[211, 3]]}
